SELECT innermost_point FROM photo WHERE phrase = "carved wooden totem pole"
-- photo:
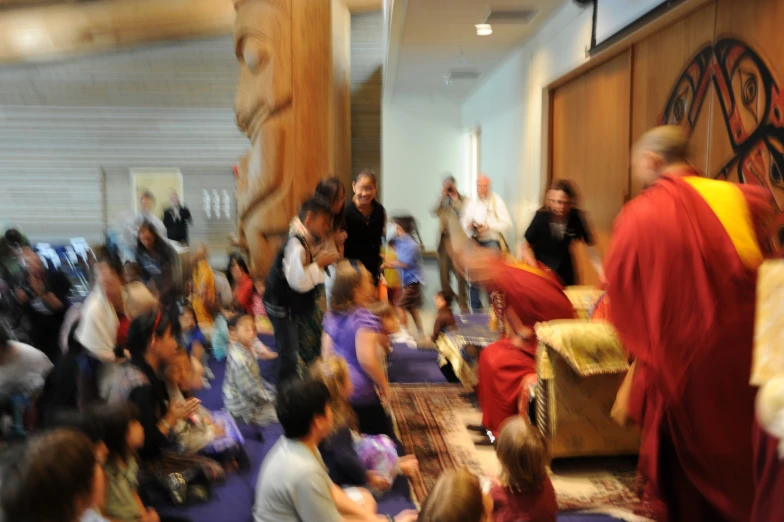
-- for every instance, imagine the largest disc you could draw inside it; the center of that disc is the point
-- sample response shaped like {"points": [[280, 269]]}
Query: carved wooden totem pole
{"points": [[286, 104]]}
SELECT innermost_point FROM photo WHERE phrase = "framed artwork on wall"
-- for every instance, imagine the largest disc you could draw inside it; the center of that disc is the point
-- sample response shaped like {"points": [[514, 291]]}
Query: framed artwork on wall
{"points": [[160, 182]]}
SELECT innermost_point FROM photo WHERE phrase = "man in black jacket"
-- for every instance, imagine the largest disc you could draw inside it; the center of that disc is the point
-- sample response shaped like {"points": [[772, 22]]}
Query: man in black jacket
{"points": [[176, 219]]}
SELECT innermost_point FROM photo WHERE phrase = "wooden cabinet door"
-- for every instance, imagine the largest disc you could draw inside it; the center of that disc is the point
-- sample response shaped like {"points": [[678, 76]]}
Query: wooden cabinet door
{"points": [[590, 146]]}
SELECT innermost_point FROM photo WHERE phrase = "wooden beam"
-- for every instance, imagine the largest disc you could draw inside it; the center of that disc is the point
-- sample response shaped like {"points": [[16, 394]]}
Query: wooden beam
{"points": [[46, 33]]}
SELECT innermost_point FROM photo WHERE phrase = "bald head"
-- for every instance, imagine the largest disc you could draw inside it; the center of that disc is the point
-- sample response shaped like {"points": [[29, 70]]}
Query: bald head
{"points": [[482, 186], [657, 149]]}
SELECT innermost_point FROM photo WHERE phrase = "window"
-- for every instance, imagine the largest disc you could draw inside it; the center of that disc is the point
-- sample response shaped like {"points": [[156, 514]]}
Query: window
{"points": [[473, 149]]}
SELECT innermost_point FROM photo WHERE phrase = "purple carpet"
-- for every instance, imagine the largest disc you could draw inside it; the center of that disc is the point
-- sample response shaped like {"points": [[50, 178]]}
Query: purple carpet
{"points": [[232, 501]]}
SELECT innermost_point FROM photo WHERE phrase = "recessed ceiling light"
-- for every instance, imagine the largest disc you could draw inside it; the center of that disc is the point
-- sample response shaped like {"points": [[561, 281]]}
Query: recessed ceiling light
{"points": [[484, 29]]}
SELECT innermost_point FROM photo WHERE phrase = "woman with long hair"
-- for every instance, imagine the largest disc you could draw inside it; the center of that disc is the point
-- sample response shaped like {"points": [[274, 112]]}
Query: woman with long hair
{"points": [[555, 226], [152, 343], [352, 332], [241, 282], [331, 189], [156, 259]]}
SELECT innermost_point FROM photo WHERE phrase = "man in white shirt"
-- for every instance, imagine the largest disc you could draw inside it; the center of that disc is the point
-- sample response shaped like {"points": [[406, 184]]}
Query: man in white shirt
{"points": [[485, 219], [294, 485]]}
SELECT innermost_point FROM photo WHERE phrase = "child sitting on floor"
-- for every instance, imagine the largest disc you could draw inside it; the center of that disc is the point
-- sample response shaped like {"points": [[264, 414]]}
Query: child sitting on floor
{"points": [[263, 324], [124, 436], [212, 433], [195, 343], [220, 331], [390, 326], [445, 319], [246, 395], [351, 458], [221, 337], [458, 496], [524, 491]]}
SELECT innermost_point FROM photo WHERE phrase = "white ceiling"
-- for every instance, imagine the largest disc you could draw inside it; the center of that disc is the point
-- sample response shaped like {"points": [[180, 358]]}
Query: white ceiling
{"points": [[429, 37]]}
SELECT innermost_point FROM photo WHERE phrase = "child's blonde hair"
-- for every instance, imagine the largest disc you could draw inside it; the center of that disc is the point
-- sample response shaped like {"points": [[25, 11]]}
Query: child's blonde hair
{"points": [[523, 455], [382, 310], [456, 497], [348, 277], [334, 373]]}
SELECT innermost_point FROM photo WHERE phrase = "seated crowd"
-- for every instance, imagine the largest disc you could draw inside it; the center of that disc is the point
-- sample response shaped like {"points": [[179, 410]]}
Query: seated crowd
{"points": [[108, 410]]}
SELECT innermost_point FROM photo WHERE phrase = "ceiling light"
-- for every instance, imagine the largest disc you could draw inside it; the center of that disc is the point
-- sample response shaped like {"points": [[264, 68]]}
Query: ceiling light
{"points": [[484, 29]]}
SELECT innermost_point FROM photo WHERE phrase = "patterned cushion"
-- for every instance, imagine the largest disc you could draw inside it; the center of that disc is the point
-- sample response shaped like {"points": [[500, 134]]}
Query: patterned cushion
{"points": [[583, 298], [590, 348], [768, 361]]}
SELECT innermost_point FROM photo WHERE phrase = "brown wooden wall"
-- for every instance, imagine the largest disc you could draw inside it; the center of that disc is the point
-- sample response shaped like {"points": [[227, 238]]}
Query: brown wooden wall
{"points": [[677, 76], [590, 145]]}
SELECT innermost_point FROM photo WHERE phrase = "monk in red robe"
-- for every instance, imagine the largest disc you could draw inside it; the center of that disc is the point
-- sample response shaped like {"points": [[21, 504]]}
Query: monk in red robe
{"points": [[682, 281], [531, 295]]}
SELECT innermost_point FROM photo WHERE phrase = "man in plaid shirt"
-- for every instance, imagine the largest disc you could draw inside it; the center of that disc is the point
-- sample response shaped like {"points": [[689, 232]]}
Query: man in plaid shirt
{"points": [[245, 393]]}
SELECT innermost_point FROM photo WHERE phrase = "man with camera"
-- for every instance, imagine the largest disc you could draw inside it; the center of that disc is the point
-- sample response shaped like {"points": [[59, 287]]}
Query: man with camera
{"points": [[450, 205], [485, 220]]}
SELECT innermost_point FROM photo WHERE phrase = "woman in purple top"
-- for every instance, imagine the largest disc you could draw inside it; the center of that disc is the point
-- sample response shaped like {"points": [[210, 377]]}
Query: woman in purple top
{"points": [[352, 332]]}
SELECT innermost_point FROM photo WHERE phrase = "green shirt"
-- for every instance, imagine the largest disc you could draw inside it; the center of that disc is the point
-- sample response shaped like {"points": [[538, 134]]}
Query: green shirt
{"points": [[121, 487]]}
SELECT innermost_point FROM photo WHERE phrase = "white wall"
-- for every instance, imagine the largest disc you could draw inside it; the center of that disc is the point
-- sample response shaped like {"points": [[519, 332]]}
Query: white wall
{"points": [[71, 130], [508, 108], [421, 140]]}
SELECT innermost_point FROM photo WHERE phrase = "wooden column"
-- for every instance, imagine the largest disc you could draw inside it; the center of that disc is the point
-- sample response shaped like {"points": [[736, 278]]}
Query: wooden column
{"points": [[291, 102]]}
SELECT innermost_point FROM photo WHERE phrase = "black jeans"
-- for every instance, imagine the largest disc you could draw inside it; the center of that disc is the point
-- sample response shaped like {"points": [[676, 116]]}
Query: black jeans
{"points": [[287, 345]]}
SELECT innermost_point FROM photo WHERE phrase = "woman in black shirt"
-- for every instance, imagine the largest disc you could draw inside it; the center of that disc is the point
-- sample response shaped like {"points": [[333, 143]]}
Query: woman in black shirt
{"points": [[152, 345], [551, 232], [365, 224]]}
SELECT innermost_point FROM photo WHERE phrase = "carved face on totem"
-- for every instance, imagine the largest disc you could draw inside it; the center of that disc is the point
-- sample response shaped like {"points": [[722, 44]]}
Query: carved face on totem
{"points": [[753, 110], [262, 43]]}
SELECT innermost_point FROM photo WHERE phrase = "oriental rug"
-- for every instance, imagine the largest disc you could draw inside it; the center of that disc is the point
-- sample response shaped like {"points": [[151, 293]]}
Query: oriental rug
{"points": [[431, 420]]}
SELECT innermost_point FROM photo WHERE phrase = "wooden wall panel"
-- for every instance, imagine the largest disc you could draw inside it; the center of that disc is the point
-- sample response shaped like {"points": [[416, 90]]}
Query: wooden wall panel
{"points": [[590, 145], [63, 123], [367, 61], [341, 87], [751, 90], [659, 62]]}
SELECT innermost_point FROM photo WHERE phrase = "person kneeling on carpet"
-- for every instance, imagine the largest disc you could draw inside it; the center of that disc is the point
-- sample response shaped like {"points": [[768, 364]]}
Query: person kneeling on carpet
{"points": [[293, 484], [246, 395], [458, 496], [214, 434], [353, 458], [445, 319], [524, 490]]}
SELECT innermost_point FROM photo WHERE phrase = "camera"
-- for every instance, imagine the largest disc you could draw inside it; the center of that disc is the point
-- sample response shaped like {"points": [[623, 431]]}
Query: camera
{"points": [[475, 231]]}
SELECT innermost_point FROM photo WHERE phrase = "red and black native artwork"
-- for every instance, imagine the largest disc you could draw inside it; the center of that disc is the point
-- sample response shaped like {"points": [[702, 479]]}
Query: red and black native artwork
{"points": [[753, 110]]}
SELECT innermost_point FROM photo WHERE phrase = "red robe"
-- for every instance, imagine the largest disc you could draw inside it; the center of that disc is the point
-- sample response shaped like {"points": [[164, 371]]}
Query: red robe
{"points": [[683, 298], [768, 478], [534, 296]]}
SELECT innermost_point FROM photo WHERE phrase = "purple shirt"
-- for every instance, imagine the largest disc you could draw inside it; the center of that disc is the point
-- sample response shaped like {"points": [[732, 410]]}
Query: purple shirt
{"points": [[342, 329]]}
